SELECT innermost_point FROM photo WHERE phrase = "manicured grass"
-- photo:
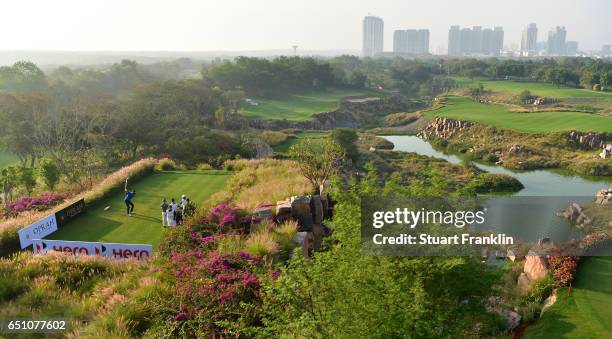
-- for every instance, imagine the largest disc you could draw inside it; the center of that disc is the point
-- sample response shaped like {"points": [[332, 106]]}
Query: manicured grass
{"points": [[538, 122], [586, 313], [536, 88], [7, 159], [145, 226], [317, 136], [299, 106]]}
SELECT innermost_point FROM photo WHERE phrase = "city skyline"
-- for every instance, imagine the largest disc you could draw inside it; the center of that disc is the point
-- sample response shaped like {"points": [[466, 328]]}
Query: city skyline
{"points": [[235, 25]]}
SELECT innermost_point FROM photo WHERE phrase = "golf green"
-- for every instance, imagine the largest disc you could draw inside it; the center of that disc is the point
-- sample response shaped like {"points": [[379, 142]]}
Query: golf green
{"points": [[537, 122], [145, 226], [316, 136], [586, 312], [300, 106]]}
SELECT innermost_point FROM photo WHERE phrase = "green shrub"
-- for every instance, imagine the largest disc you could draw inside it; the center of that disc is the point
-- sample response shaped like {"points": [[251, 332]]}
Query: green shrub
{"points": [[524, 96], [9, 240], [530, 304], [493, 182], [230, 244], [27, 178], [591, 167]]}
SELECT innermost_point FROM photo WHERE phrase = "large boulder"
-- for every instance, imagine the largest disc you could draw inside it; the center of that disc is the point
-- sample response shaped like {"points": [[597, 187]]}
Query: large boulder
{"points": [[524, 283], [535, 266], [604, 196]]}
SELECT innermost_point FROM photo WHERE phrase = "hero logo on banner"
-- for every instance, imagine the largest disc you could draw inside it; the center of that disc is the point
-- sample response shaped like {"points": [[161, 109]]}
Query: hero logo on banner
{"points": [[109, 250], [37, 230]]}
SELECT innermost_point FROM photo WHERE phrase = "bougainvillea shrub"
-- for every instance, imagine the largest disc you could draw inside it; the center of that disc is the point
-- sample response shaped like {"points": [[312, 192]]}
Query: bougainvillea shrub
{"points": [[40, 202], [229, 218], [563, 269], [220, 290]]}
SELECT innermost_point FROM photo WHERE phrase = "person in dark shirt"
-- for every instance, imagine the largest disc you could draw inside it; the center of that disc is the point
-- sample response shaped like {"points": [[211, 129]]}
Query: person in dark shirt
{"points": [[164, 207], [129, 195]]}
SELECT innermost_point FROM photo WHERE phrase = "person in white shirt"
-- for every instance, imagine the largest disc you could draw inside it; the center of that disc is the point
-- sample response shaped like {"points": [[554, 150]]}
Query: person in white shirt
{"points": [[173, 208], [183, 202]]}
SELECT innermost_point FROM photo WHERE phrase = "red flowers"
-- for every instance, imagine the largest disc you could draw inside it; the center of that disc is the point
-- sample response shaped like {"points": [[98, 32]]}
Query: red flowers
{"points": [[563, 269]]}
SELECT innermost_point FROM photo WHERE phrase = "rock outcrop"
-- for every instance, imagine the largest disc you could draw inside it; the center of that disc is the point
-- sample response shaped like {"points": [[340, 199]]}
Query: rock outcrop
{"points": [[606, 152], [443, 128], [589, 140], [536, 267], [575, 214], [604, 196]]}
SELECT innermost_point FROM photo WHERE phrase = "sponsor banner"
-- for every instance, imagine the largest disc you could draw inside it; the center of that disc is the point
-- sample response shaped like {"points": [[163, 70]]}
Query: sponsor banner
{"points": [[37, 230], [70, 213], [109, 250]]}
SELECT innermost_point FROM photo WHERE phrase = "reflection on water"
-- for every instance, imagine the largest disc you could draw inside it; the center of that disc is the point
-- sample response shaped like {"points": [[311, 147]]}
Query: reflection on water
{"points": [[531, 218]]}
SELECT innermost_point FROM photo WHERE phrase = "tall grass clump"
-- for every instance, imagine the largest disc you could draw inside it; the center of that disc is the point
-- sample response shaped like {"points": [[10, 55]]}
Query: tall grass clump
{"points": [[65, 286], [261, 180], [273, 138], [261, 244], [166, 165]]}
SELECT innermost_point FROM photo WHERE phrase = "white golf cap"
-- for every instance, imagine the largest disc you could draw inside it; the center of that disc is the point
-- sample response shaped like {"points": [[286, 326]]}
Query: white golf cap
{"points": [[183, 196]]}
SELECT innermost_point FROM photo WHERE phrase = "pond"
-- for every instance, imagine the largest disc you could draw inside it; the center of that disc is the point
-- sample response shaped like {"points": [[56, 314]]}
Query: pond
{"points": [[530, 213]]}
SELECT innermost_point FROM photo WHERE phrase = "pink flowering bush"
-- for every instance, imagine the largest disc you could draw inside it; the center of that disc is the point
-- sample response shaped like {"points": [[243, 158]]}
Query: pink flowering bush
{"points": [[41, 202], [229, 218], [222, 290]]}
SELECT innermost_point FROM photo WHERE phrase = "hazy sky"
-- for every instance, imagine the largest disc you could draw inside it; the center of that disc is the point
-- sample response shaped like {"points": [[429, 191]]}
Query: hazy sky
{"points": [[190, 25]]}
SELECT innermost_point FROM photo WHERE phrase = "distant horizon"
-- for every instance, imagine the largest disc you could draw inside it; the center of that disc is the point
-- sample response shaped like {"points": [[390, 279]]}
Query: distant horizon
{"points": [[241, 25]]}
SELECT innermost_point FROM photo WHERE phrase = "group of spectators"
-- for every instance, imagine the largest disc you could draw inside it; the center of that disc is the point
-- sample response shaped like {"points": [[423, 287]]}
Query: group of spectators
{"points": [[173, 214]]}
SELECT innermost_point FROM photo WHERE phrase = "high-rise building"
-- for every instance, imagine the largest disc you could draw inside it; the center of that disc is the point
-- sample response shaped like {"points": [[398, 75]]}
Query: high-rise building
{"points": [[497, 44], [556, 41], [606, 49], [373, 32], [529, 42], [454, 41], [411, 41], [571, 48], [476, 40], [466, 41]]}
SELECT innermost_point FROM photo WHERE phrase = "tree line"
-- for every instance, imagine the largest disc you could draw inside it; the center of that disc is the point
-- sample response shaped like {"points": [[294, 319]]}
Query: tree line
{"points": [[574, 72]]}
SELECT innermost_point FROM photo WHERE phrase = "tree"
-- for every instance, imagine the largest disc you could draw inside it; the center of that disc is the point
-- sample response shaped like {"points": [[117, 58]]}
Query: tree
{"points": [[346, 137], [49, 172], [317, 163], [27, 178], [524, 96], [9, 180]]}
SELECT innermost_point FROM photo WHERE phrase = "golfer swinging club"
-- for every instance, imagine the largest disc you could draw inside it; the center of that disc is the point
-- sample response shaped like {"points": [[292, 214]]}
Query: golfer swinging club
{"points": [[128, 199]]}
